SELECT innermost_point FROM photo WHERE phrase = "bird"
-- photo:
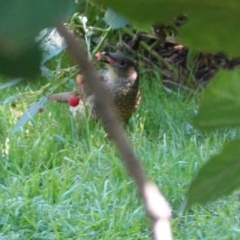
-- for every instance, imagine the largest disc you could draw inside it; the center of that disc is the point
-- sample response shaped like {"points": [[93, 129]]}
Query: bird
{"points": [[120, 79]]}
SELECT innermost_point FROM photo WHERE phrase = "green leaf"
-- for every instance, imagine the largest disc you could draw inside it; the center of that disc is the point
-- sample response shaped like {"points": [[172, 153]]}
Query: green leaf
{"points": [[115, 20], [28, 114], [147, 10], [218, 177], [10, 83], [25, 64], [220, 102], [20, 22], [51, 43], [213, 25]]}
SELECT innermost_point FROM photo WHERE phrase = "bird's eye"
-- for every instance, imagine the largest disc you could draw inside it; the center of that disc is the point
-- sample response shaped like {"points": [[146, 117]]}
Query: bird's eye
{"points": [[121, 63]]}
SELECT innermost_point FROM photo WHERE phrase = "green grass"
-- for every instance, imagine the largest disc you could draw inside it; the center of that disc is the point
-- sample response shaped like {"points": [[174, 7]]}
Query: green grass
{"points": [[59, 182]]}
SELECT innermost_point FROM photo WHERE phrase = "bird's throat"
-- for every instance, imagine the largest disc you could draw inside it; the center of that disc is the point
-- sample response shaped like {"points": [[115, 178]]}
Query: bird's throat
{"points": [[132, 74]]}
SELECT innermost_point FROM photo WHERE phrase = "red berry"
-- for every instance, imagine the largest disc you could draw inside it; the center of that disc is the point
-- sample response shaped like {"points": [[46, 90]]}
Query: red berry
{"points": [[73, 101]]}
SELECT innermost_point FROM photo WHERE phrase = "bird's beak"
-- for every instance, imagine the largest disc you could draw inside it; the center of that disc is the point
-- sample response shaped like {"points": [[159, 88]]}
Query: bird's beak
{"points": [[107, 57]]}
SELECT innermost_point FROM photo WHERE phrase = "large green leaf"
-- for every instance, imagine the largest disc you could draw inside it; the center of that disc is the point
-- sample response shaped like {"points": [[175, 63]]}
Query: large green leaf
{"points": [[220, 103], [218, 177], [213, 25], [23, 64], [114, 20], [20, 22]]}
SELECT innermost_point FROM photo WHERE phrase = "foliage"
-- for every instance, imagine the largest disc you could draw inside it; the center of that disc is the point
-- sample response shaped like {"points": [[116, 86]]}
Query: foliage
{"points": [[212, 26], [114, 20], [216, 21], [20, 22], [218, 177], [219, 107], [220, 103]]}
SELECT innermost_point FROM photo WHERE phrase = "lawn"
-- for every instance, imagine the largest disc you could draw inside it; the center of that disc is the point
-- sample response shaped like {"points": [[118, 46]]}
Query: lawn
{"points": [[62, 179]]}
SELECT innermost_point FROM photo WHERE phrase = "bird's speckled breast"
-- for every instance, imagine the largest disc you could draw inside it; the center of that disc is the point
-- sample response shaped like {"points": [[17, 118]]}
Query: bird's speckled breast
{"points": [[125, 93]]}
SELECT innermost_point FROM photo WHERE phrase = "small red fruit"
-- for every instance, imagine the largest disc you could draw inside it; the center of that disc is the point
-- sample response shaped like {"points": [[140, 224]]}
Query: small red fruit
{"points": [[73, 101]]}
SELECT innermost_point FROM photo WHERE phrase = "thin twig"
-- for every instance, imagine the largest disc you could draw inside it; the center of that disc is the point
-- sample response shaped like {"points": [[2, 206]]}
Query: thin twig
{"points": [[156, 205]]}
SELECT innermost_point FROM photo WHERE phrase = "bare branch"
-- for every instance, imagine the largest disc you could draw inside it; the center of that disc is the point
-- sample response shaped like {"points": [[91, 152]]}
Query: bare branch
{"points": [[156, 206], [60, 97]]}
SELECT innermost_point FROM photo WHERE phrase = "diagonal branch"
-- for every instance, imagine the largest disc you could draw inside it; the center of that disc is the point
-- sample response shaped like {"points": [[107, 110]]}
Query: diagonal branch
{"points": [[156, 205]]}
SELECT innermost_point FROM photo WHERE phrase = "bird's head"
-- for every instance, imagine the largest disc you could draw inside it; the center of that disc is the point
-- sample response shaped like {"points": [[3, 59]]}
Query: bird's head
{"points": [[120, 65]]}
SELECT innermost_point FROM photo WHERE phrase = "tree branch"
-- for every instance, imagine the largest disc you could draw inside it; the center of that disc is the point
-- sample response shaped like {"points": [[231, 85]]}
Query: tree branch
{"points": [[156, 205]]}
